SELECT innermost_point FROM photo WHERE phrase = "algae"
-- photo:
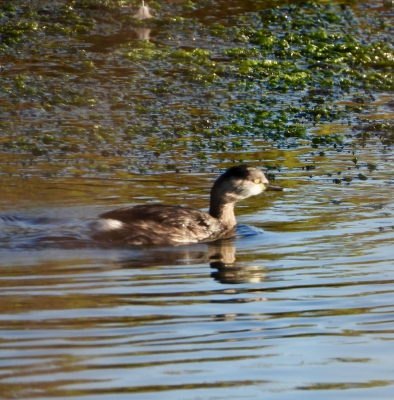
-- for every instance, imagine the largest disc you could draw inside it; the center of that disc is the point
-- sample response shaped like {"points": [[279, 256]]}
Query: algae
{"points": [[85, 84]]}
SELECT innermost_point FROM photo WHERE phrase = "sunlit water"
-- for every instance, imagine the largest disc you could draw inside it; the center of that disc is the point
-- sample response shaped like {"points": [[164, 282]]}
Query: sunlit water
{"points": [[298, 305]]}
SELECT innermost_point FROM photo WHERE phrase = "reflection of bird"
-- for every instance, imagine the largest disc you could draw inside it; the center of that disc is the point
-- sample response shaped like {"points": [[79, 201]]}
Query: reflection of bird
{"points": [[174, 225], [143, 12], [143, 33]]}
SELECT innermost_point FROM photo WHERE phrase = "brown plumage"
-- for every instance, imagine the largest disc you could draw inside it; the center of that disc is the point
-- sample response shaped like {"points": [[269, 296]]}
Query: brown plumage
{"points": [[175, 225]]}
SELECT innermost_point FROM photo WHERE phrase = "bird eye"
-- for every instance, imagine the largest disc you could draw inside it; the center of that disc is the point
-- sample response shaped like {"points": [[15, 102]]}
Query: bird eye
{"points": [[257, 181]]}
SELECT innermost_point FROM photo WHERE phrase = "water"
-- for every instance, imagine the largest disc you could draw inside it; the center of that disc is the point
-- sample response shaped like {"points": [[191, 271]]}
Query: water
{"points": [[298, 304]]}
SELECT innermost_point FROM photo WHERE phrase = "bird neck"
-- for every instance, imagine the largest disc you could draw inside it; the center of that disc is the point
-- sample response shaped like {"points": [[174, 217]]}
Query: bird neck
{"points": [[224, 212]]}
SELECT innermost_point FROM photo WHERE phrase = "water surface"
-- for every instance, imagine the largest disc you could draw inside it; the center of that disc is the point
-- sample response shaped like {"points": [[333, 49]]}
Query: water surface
{"points": [[297, 305]]}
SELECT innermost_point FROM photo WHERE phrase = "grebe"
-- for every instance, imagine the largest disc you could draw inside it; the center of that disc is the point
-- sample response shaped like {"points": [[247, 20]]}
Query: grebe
{"points": [[176, 225]]}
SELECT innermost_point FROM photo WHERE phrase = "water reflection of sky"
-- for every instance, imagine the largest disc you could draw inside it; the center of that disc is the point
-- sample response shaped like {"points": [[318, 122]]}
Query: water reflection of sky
{"points": [[298, 302]]}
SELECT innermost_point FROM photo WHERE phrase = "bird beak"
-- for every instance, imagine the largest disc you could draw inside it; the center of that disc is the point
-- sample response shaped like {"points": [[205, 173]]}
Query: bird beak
{"points": [[269, 186]]}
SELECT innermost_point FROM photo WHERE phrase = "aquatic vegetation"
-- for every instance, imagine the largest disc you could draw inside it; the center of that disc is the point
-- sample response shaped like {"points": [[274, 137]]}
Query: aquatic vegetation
{"points": [[77, 85], [384, 130]]}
